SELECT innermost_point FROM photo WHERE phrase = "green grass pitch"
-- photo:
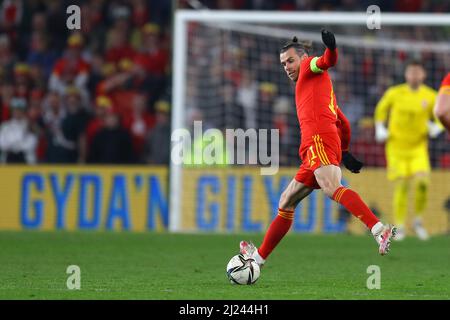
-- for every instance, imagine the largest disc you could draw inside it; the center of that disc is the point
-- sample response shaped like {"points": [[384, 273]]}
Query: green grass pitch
{"points": [[192, 266]]}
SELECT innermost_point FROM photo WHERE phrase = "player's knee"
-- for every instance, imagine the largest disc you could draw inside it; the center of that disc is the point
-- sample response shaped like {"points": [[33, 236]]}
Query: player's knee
{"points": [[402, 184], [328, 179], [329, 192], [329, 189], [422, 185], [329, 186]]}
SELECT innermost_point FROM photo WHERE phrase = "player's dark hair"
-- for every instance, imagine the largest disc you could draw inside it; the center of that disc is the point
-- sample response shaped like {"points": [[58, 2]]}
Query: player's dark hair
{"points": [[414, 62], [300, 47]]}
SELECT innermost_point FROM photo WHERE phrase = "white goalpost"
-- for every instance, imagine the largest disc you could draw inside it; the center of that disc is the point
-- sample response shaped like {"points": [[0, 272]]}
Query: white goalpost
{"points": [[225, 71]]}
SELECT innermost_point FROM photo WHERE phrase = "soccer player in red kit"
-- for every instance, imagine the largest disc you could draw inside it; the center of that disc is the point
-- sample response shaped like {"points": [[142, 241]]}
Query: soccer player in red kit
{"points": [[325, 140], [442, 106]]}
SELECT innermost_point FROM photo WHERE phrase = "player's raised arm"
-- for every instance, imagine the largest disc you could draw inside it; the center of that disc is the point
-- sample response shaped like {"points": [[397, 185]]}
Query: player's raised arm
{"points": [[329, 57]]}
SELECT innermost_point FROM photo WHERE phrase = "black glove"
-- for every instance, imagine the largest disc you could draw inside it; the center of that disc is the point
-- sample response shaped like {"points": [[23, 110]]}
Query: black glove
{"points": [[351, 163], [328, 39]]}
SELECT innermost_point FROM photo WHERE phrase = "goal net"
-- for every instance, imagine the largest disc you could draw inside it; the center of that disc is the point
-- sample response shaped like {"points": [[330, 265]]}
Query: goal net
{"points": [[227, 75]]}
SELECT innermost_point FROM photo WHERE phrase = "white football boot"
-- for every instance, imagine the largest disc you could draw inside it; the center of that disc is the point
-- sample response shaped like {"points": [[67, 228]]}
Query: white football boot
{"points": [[421, 232], [383, 235], [249, 251]]}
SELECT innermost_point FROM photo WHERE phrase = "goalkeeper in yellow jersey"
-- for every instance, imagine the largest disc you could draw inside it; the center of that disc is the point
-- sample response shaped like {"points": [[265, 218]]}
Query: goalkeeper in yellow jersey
{"points": [[407, 110]]}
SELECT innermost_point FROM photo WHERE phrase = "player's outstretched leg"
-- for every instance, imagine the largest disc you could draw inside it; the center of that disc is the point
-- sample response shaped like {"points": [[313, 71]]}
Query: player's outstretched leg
{"points": [[329, 179], [278, 228]]}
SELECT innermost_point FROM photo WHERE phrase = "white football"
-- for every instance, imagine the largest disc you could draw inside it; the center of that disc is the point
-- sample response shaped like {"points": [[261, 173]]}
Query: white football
{"points": [[242, 271]]}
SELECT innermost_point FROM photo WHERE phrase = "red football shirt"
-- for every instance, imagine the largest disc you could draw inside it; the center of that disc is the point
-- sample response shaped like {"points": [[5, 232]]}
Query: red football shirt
{"points": [[317, 110]]}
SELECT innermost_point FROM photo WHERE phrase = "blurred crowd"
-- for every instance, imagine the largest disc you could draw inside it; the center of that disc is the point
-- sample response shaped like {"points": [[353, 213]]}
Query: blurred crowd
{"points": [[94, 95]]}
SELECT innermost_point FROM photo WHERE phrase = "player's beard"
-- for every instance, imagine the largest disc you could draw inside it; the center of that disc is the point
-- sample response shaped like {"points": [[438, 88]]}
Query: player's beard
{"points": [[293, 76]]}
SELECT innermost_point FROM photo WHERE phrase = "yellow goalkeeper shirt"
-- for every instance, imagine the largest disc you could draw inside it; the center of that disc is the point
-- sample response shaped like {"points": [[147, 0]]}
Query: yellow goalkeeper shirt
{"points": [[407, 112]]}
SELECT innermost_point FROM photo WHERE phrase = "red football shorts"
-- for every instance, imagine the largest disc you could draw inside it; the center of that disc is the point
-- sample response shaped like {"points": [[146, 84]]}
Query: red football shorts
{"points": [[316, 151]]}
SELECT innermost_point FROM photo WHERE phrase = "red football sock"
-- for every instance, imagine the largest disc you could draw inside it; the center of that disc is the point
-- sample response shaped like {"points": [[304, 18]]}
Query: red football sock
{"points": [[277, 229], [354, 204]]}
